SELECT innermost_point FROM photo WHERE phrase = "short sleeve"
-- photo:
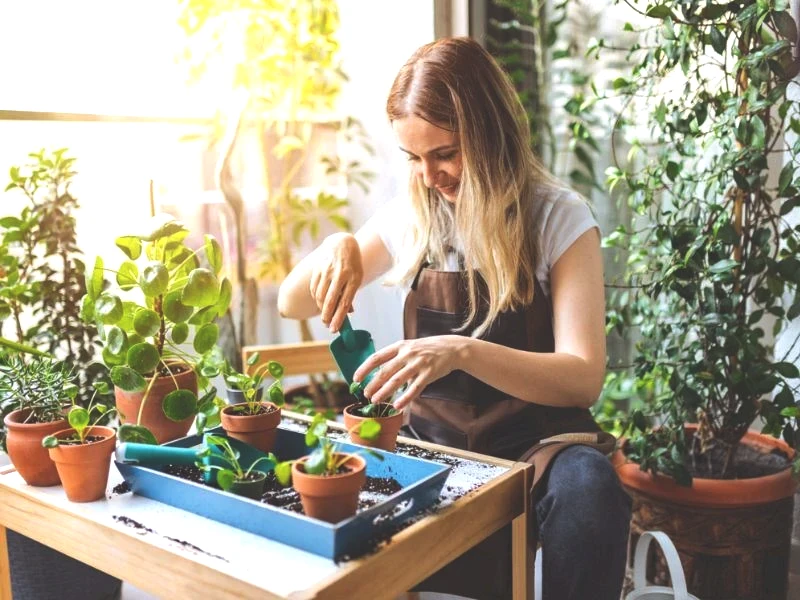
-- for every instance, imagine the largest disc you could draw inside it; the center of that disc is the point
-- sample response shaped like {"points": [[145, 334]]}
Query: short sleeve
{"points": [[391, 222], [569, 218]]}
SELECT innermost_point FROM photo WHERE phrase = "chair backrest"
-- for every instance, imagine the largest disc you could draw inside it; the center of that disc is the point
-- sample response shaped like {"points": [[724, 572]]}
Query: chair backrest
{"points": [[297, 359]]}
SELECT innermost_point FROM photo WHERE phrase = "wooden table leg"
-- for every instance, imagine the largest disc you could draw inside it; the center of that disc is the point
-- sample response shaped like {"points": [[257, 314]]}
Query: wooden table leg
{"points": [[521, 556], [5, 567]]}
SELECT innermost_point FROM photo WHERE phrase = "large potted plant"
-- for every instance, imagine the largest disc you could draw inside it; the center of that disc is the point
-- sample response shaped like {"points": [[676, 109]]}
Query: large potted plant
{"points": [[712, 277], [145, 321]]}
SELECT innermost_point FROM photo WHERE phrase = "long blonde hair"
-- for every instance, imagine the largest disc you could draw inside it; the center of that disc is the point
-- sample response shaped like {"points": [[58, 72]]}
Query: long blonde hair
{"points": [[456, 85]]}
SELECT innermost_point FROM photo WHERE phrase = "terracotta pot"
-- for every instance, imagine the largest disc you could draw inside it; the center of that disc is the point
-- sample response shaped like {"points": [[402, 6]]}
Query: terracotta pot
{"points": [[390, 426], [83, 468], [153, 417], [24, 445], [257, 430], [330, 498], [733, 536]]}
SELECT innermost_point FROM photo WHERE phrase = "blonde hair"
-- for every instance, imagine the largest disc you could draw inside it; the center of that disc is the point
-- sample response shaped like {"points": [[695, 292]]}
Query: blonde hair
{"points": [[456, 85]]}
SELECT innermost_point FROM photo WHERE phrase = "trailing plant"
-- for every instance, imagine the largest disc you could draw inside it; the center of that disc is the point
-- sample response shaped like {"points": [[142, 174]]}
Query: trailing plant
{"points": [[163, 299], [713, 271], [326, 459], [220, 448], [42, 268]]}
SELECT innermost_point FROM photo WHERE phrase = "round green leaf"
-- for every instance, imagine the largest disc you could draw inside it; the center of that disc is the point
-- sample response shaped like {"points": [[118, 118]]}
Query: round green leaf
{"points": [[130, 245], [175, 310], [78, 418], [225, 295], [206, 337], [127, 275], [109, 308], [50, 441], [143, 357], [180, 332], [146, 322], [179, 405], [154, 279], [275, 369], [87, 309], [94, 279], [276, 395], [203, 316], [112, 360], [213, 253], [202, 289], [369, 429], [127, 379], [316, 463], [225, 479], [134, 338], [116, 340], [283, 472], [136, 433]]}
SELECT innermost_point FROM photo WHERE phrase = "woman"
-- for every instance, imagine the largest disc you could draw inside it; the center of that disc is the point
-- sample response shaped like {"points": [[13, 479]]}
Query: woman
{"points": [[503, 317]]}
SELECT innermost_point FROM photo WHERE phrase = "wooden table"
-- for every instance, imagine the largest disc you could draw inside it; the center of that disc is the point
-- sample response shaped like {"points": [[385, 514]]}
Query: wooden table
{"points": [[188, 556]]}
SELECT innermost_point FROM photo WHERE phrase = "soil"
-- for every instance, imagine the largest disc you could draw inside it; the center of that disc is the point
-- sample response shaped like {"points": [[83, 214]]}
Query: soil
{"points": [[747, 463], [174, 369], [242, 410], [121, 488], [374, 491], [142, 529]]}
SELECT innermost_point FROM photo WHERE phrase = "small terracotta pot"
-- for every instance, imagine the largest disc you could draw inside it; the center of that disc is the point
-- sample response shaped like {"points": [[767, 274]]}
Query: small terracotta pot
{"points": [[24, 445], [83, 468], [330, 498], [257, 430], [390, 426], [153, 417]]}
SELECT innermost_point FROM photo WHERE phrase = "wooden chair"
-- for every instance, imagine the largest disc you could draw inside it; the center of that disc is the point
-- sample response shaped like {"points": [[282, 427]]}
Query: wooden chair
{"points": [[297, 359]]}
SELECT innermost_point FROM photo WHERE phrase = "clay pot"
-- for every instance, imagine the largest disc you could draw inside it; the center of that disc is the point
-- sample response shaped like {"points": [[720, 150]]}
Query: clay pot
{"points": [[153, 417], [390, 426], [257, 430], [733, 535], [83, 468], [330, 498], [24, 445]]}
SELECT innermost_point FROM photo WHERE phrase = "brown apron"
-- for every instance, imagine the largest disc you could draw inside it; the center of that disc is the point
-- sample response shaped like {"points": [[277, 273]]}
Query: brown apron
{"points": [[461, 411]]}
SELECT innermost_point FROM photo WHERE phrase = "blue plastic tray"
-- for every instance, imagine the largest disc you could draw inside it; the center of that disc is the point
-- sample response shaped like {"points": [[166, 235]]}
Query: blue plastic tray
{"points": [[422, 482]]}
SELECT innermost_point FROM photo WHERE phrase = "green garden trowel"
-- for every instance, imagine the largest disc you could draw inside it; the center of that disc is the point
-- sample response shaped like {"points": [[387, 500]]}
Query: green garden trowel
{"points": [[350, 349]]}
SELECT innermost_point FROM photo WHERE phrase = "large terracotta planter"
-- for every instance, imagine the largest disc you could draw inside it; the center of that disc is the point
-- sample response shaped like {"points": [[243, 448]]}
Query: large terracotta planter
{"points": [[83, 468], [153, 417], [24, 445], [733, 536], [390, 426], [257, 430], [330, 498]]}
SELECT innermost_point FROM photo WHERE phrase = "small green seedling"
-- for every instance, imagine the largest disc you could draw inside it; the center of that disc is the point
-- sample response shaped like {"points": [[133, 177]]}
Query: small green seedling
{"points": [[227, 476], [325, 460], [79, 418], [370, 409], [250, 384]]}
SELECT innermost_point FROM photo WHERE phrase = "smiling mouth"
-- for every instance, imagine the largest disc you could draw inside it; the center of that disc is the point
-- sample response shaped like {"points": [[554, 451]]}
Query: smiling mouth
{"points": [[448, 189]]}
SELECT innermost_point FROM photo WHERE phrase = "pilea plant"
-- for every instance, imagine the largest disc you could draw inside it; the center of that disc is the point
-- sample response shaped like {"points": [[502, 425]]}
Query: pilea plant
{"points": [[79, 418], [220, 448], [325, 459], [163, 298], [250, 384], [370, 409]]}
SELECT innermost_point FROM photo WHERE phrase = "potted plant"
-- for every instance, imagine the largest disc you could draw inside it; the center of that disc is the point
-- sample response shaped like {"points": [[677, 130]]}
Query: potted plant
{"points": [[328, 481], [34, 396], [144, 322], [712, 268], [82, 454], [233, 477], [384, 413], [254, 421]]}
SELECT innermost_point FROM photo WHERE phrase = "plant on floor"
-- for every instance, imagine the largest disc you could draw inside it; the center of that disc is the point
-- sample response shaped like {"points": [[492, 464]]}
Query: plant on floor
{"points": [[145, 321], [220, 448]]}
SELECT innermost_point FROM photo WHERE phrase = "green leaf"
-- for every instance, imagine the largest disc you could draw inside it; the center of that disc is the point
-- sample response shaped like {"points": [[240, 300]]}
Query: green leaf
{"points": [[225, 295], [179, 405], [108, 308], [154, 279], [203, 316], [87, 314], [275, 369], [139, 434], [127, 379], [718, 41], [78, 418], [128, 275], [130, 245], [143, 357], [146, 322], [787, 369], [369, 429], [180, 332], [213, 253], [94, 280], [206, 337], [175, 310], [116, 340], [316, 462], [226, 478], [723, 266], [283, 472], [202, 289], [50, 441], [660, 11]]}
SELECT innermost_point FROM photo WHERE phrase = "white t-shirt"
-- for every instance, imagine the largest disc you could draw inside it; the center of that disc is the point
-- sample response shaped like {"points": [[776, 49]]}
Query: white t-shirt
{"points": [[564, 217]]}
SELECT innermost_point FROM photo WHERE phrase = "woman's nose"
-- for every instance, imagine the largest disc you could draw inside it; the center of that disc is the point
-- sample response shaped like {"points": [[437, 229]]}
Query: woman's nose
{"points": [[428, 172]]}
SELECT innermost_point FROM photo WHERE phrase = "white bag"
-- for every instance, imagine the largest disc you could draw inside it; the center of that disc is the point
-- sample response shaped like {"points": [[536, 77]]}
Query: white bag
{"points": [[641, 589]]}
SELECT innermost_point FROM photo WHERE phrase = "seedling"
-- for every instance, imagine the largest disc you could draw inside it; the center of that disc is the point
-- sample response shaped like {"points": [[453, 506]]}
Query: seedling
{"points": [[79, 419], [326, 460], [370, 409], [251, 384], [228, 476]]}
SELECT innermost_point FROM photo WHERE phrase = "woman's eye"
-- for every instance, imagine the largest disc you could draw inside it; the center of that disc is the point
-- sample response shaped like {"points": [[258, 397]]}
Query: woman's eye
{"points": [[413, 158], [448, 156]]}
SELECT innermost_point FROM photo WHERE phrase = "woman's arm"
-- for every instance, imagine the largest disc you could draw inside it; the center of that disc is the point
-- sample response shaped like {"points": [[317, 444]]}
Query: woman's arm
{"points": [[571, 376], [325, 281]]}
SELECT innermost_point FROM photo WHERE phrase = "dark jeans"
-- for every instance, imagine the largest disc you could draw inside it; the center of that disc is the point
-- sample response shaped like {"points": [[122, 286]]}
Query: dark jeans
{"points": [[583, 517]]}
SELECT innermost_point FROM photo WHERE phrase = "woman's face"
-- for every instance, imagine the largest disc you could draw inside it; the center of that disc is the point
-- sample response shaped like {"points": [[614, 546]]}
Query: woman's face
{"points": [[434, 154]]}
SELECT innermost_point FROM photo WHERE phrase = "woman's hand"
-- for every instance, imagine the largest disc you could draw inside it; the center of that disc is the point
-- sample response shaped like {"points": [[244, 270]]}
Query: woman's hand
{"points": [[336, 275], [416, 362]]}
